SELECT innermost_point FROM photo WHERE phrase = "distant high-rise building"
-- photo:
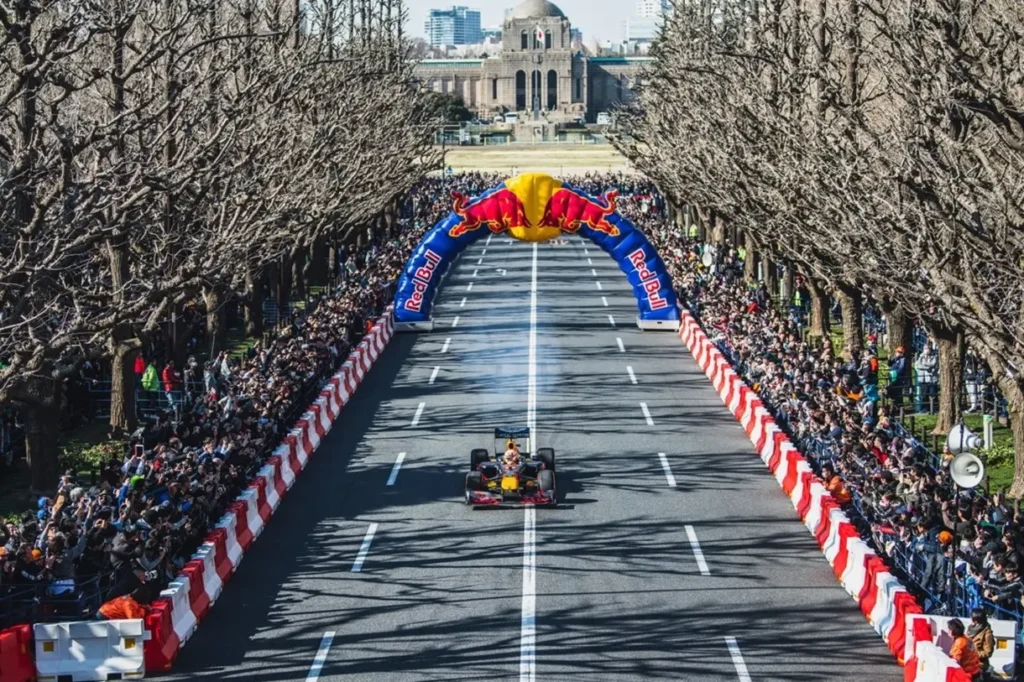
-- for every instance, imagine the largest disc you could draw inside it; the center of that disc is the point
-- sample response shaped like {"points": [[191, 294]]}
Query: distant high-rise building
{"points": [[652, 9], [455, 26]]}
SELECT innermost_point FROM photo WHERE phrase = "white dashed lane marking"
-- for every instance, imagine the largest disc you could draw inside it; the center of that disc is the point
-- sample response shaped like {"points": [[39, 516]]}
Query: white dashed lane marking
{"points": [[447, 342], [357, 566], [647, 414], [737, 659], [463, 304], [396, 468], [605, 301], [632, 377], [469, 287], [433, 375], [611, 320], [698, 553], [455, 322], [622, 348], [599, 287], [668, 470], [474, 273], [593, 272], [419, 413], [321, 657]]}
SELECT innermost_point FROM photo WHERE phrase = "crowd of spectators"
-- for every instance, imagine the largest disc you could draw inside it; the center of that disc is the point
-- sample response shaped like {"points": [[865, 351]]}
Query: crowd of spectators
{"points": [[833, 409], [132, 530]]}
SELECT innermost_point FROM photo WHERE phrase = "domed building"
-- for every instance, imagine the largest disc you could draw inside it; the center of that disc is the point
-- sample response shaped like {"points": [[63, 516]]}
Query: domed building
{"points": [[537, 73]]}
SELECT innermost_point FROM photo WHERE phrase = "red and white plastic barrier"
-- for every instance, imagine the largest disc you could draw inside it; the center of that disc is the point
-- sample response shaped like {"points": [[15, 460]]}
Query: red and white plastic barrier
{"points": [[180, 609], [884, 601]]}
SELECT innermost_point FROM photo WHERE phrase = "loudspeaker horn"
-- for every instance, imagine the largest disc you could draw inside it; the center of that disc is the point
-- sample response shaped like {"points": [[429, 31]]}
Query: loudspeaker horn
{"points": [[961, 439], [967, 470]]}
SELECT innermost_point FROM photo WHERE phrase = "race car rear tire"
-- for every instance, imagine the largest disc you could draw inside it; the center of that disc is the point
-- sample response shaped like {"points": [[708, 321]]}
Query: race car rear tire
{"points": [[478, 457], [546, 455], [546, 480], [474, 481]]}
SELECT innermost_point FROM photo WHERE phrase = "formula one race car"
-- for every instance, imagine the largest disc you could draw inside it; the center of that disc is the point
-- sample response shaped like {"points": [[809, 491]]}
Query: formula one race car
{"points": [[511, 477]]}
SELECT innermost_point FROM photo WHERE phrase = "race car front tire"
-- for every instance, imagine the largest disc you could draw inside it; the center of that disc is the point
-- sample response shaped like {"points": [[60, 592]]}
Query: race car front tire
{"points": [[546, 455], [474, 481], [546, 480], [478, 457]]}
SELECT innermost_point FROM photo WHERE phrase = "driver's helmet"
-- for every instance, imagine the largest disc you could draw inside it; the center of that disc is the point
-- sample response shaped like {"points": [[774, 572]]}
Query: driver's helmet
{"points": [[511, 458]]}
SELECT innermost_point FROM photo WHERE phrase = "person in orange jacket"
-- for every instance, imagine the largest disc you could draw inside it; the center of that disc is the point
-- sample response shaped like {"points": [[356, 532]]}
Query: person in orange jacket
{"points": [[125, 607], [963, 651], [835, 485]]}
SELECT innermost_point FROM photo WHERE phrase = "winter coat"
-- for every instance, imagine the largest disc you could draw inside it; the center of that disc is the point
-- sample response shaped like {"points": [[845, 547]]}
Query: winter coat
{"points": [[150, 379]]}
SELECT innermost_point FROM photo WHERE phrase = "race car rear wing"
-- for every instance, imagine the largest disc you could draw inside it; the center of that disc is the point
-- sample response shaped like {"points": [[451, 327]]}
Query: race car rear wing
{"points": [[512, 432], [516, 433]]}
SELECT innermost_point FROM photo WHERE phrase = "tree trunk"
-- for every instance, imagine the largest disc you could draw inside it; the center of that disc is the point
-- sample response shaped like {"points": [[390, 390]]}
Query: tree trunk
{"points": [[254, 304], [1014, 395], [299, 257], [851, 300], [901, 331], [951, 377], [284, 282], [214, 298], [317, 265], [122, 384], [718, 229], [750, 260], [788, 286], [820, 323], [41, 416], [770, 274]]}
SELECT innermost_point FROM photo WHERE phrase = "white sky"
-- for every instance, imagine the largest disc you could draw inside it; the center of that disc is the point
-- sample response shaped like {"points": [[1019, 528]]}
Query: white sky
{"points": [[602, 19]]}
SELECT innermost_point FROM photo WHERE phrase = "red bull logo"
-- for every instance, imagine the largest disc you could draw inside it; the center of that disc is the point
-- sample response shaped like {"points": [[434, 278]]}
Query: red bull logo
{"points": [[421, 280], [648, 280], [497, 212], [570, 211]]}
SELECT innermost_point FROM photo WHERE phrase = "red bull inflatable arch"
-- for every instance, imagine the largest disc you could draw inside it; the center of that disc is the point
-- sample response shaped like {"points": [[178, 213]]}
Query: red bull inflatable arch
{"points": [[534, 207]]}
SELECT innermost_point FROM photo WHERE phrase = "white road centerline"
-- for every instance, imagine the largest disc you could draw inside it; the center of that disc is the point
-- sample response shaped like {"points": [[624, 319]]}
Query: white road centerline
{"points": [[593, 272], [586, 252], [632, 377], [668, 470], [488, 242], [364, 549], [419, 413], [479, 260], [622, 348], [611, 320], [474, 273], [321, 657], [590, 262], [737, 659], [604, 300], [647, 414], [528, 636], [447, 342], [433, 375], [455, 322], [396, 468], [469, 287], [599, 287], [698, 553], [528, 627], [484, 252], [463, 304]]}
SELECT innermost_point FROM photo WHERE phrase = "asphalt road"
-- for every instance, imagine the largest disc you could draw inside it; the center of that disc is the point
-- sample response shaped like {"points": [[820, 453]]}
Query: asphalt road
{"points": [[620, 591]]}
